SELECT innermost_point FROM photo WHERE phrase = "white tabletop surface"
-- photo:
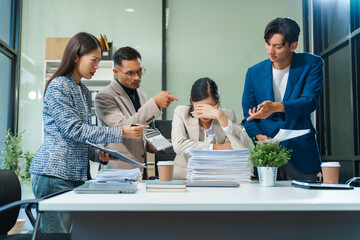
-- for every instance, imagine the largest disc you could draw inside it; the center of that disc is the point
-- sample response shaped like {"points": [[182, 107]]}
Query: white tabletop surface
{"points": [[248, 197]]}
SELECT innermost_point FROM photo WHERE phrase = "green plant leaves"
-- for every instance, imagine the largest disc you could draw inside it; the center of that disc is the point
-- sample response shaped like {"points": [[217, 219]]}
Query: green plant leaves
{"points": [[13, 157], [269, 155]]}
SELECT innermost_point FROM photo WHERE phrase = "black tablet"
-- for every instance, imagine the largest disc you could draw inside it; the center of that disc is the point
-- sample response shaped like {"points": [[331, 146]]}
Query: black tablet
{"points": [[320, 185], [118, 155]]}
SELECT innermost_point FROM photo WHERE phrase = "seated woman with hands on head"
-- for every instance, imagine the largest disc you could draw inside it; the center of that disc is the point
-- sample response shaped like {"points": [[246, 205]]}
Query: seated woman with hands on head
{"points": [[203, 125]]}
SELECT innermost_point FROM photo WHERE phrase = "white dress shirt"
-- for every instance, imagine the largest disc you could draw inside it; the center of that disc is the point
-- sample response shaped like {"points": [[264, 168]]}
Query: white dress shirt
{"points": [[208, 135]]}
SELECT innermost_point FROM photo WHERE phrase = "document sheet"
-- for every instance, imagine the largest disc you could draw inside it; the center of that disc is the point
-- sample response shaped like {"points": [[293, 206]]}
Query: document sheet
{"points": [[286, 134]]}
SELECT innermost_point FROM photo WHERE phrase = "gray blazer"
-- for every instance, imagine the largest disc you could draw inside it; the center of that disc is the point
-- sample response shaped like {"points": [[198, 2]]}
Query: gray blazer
{"points": [[114, 108], [185, 134]]}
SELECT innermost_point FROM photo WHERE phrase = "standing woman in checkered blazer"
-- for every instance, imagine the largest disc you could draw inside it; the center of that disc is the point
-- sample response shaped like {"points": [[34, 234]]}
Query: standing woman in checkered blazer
{"points": [[62, 162]]}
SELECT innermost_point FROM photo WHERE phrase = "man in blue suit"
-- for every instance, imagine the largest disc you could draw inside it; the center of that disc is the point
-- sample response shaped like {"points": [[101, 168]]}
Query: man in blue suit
{"points": [[282, 92]]}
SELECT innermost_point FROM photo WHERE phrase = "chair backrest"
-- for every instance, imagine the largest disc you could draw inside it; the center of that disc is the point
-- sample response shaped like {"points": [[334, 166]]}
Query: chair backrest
{"points": [[10, 191], [164, 126]]}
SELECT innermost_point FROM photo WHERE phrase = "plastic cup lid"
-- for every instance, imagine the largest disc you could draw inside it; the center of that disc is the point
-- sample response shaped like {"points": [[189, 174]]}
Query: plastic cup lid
{"points": [[165, 163], [330, 164]]}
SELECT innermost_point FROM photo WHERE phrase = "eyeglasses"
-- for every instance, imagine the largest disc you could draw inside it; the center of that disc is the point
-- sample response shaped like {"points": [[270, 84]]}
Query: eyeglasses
{"points": [[131, 74]]}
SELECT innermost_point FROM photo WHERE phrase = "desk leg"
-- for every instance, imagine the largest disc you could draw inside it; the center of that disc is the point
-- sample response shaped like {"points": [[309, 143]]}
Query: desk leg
{"points": [[216, 225]]}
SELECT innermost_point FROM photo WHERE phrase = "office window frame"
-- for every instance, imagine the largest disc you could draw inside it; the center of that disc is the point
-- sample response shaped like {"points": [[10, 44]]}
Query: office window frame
{"points": [[324, 50], [12, 51]]}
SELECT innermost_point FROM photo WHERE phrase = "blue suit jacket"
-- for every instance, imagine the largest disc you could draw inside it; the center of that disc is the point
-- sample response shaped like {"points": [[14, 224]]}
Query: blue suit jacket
{"points": [[300, 100]]}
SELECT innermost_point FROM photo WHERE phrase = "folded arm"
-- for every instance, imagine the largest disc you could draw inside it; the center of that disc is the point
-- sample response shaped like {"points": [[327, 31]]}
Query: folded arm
{"points": [[235, 134]]}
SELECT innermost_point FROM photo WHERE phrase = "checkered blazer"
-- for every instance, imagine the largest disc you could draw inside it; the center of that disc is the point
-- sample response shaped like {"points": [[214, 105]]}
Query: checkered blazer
{"points": [[67, 118]]}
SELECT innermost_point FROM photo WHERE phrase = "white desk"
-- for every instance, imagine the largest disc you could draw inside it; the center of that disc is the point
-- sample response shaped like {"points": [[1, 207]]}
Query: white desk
{"points": [[281, 212]]}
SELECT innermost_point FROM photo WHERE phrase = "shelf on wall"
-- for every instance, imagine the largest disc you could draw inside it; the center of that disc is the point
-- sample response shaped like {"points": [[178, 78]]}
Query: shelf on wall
{"points": [[102, 77]]}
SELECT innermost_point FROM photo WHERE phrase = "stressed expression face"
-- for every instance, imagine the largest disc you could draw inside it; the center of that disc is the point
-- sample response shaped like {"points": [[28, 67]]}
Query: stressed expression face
{"points": [[86, 65], [208, 101], [129, 73], [277, 51]]}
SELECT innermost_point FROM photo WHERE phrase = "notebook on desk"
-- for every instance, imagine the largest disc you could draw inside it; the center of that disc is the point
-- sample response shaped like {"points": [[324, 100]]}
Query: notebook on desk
{"points": [[320, 185], [106, 188]]}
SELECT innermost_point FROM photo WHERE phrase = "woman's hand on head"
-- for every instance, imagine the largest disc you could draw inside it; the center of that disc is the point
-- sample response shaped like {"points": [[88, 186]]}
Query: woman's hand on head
{"points": [[135, 131], [211, 112], [207, 111]]}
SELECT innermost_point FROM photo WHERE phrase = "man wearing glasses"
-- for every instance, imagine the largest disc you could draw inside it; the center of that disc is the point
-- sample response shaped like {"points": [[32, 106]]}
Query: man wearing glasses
{"points": [[123, 103]]}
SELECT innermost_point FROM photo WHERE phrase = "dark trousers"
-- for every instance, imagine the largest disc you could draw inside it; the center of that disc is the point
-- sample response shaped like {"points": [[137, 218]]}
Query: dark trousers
{"points": [[53, 222], [289, 172]]}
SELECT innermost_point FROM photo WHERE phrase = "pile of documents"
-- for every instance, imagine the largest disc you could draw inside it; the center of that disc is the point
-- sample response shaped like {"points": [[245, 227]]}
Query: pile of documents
{"points": [[218, 165], [105, 175], [170, 186]]}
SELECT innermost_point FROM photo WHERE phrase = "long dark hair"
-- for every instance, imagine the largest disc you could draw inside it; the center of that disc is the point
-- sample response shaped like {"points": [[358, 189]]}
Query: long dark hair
{"points": [[202, 89], [79, 45]]}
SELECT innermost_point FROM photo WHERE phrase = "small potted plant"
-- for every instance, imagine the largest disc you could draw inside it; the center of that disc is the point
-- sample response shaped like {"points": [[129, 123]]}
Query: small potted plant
{"points": [[267, 157], [14, 159]]}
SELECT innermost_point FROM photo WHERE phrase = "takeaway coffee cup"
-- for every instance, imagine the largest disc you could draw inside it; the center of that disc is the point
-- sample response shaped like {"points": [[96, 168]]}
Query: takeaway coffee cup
{"points": [[330, 171], [165, 169]]}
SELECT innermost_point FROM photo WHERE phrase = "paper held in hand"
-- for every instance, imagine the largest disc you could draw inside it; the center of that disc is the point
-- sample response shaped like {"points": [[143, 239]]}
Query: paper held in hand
{"points": [[286, 134]]}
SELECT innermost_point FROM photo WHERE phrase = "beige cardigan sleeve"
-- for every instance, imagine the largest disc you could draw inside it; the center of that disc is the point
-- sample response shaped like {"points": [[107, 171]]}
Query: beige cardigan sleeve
{"points": [[236, 134]]}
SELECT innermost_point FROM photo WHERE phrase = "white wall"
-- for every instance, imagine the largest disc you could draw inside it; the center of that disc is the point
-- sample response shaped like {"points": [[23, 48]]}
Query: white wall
{"points": [[220, 40]]}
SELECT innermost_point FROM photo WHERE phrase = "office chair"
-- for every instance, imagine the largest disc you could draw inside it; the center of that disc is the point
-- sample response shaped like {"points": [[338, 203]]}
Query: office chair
{"points": [[10, 202], [164, 126]]}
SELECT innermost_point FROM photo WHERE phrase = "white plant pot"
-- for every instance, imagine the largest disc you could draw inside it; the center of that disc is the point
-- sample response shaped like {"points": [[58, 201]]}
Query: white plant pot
{"points": [[267, 176]]}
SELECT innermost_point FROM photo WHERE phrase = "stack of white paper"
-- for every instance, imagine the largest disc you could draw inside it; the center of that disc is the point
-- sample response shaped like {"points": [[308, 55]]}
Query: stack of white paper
{"points": [[119, 175], [218, 165]]}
